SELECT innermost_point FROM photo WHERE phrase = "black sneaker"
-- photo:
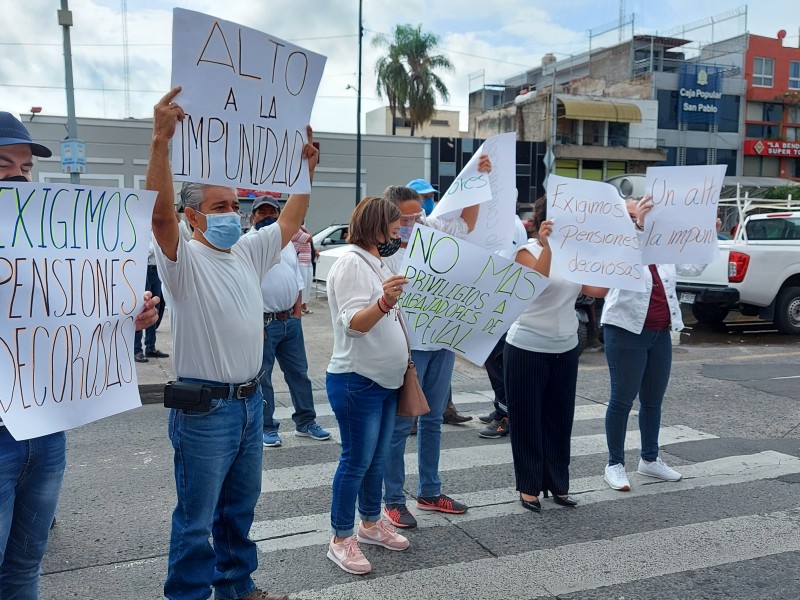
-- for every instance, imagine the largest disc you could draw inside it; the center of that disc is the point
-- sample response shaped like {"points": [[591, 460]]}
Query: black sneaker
{"points": [[398, 515], [496, 430], [488, 418], [442, 503]]}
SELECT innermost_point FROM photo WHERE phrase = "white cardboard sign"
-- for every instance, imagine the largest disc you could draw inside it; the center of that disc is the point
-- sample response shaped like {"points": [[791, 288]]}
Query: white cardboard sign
{"points": [[248, 98], [594, 241], [460, 296], [495, 192], [73, 261], [681, 228]]}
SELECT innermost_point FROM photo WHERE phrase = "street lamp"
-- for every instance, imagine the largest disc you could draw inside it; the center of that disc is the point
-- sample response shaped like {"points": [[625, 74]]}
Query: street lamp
{"points": [[358, 106]]}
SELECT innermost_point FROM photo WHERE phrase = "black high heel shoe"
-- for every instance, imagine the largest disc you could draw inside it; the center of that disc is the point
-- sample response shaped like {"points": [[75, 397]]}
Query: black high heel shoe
{"points": [[532, 505], [562, 500]]}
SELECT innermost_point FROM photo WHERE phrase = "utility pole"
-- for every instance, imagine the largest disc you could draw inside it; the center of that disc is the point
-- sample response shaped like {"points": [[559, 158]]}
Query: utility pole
{"points": [[358, 106], [65, 20]]}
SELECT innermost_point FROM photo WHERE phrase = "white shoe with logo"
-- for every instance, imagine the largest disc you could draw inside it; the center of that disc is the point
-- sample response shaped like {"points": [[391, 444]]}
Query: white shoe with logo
{"points": [[616, 478], [348, 556], [658, 469]]}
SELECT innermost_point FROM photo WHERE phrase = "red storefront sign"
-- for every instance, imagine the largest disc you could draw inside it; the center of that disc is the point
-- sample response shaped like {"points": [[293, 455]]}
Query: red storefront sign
{"points": [[771, 148]]}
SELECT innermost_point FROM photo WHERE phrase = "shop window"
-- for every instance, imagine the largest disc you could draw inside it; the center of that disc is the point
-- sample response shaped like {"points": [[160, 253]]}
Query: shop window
{"points": [[592, 169], [667, 109], [727, 157], [728, 116], [567, 167], [618, 134], [763, 71], [696, 156], [794, 75], [614, 168]]}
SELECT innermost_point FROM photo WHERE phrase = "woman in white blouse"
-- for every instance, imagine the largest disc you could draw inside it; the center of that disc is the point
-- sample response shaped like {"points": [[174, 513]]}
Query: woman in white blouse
{"points": [[369, 360]]}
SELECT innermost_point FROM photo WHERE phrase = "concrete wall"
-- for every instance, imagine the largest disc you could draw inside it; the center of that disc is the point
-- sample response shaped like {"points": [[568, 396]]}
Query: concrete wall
{"points": [[117, 153], [379, 122]]}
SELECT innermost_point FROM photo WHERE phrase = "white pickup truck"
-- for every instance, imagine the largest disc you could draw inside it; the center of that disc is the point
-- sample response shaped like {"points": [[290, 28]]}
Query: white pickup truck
{"points": [[758, 273]]}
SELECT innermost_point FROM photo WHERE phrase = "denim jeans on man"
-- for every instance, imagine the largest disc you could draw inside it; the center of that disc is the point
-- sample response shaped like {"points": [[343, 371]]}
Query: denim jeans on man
{"points": [[31, 473], [638, 364], [218, 480], [284, 340], [152, 284], [434, 370], [366, 413]]}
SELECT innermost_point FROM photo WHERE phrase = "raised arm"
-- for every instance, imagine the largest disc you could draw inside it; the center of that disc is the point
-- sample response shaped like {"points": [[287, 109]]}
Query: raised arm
{"points": [[294, 212], [159, 174], [541, 264]]}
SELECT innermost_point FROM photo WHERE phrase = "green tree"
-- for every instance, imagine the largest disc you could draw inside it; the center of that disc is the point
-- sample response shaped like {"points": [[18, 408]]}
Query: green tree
{"points": [[416, 90]]}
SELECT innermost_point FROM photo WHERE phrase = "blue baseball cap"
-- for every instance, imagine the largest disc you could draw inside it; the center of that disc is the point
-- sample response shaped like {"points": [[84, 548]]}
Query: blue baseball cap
{"points": [[13, 132], [421, 186]]}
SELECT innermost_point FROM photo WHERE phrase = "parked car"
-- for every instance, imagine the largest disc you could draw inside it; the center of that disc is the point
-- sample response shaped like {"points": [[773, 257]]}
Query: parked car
{"points": [[332, 235], [758, 273]]}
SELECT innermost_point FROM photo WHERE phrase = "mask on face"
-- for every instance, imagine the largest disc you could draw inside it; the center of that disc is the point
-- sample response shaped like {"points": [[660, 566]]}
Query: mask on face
{"points": [[427, 205], [386, 249], [405, 233], [21, 178], [265, 222], [222, 230]]}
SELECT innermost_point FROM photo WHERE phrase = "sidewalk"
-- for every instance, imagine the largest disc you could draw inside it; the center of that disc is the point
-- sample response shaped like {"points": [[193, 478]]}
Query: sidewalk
{"points": [[318, 332]]}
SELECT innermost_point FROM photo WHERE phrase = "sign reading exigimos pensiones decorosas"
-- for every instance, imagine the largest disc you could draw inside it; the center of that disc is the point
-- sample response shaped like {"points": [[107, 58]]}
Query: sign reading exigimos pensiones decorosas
{"points": [[72, 268]]}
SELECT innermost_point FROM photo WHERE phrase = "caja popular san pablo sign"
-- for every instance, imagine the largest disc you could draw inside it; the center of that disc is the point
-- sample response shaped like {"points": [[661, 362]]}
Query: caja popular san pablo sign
{"points": [[699, 93]]}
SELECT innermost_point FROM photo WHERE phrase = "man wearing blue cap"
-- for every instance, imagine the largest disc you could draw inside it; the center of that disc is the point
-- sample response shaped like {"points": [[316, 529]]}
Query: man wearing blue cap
{"points": [[31, 471], [426, 194]]}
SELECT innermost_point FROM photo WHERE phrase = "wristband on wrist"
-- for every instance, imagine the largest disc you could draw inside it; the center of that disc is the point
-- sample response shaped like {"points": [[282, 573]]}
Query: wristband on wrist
{"points": [[386, 302], [639, 227], [380, 308]]}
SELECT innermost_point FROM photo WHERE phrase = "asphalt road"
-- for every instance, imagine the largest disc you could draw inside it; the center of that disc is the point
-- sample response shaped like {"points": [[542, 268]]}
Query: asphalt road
{"points": [[729, 529]]}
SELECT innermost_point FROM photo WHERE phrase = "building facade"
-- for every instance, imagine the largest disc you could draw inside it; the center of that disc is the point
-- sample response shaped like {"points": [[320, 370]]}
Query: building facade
{"points": [[772, 130], [444, 123]]}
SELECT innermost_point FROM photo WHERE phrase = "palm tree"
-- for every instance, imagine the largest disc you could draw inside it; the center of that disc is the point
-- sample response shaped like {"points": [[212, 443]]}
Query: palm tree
{"points": [[416, 88]]}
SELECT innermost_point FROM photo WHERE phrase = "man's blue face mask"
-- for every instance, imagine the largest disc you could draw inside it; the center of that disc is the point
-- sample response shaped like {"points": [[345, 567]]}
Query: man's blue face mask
{"points": [[427, 205], [223, 230]]}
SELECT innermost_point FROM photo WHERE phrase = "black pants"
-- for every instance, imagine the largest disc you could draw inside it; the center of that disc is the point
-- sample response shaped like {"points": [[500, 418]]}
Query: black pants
{"points": [[540, 389], [494, 369]]}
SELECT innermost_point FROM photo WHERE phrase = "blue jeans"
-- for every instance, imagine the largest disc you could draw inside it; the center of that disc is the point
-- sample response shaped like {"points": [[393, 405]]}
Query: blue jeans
{"points": [[31, 473], [152, 284], [218, 482], [284, 340], [365, 412], [434, 370], [637, 364]]}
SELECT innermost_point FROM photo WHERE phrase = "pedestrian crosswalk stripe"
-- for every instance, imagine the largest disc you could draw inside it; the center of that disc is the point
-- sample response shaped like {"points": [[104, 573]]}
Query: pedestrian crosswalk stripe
{"points": [[310, 530], [313, 475], [584, 412], [588, 565]]}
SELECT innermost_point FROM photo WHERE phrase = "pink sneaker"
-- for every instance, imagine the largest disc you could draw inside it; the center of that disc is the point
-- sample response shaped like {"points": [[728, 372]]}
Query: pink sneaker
{"points": [[382, 534], [348, 556]]}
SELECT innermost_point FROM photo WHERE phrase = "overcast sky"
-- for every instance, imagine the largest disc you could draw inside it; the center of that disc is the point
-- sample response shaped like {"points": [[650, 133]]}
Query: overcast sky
{"points": [[486, 41]]}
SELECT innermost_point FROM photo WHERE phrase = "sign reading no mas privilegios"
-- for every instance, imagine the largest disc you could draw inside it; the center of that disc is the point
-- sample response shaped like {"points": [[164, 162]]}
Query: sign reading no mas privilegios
{"points": [[460, 296], [248, 98]]}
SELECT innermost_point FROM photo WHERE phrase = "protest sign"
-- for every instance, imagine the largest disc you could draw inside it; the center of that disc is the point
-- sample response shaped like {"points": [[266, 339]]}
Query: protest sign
{"points": [[681, 228], [73, 261], [495, 192], [462, 297], [594, 241], [247, 97]]}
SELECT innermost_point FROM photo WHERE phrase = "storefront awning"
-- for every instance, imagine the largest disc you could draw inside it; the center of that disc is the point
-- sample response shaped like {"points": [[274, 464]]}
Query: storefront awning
{"points": [[601, 110]]}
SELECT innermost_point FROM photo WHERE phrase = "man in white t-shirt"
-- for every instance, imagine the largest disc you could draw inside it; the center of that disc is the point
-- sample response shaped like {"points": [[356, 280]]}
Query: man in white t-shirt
{"points": [[216, 416], [283, 336]]}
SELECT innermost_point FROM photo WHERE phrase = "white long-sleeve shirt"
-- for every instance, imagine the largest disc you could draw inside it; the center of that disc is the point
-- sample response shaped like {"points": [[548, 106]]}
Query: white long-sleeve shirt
{"points": [[381, 354]]}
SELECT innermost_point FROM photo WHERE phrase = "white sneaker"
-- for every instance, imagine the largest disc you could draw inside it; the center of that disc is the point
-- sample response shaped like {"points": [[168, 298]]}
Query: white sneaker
{"points": [[658, 469], [616, 478], [348, 556], [382, 534]]}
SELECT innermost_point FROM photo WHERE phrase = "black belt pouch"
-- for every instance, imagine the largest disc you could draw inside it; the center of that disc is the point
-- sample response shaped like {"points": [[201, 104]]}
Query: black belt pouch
{"points": [[188, 396]]}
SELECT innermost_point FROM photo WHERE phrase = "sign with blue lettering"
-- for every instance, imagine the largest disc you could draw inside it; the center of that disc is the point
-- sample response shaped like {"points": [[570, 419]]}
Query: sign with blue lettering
{"points": [[699, 93]]}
